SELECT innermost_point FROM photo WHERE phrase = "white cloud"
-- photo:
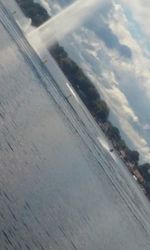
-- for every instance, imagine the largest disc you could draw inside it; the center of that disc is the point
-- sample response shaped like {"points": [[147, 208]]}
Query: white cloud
{"points": [[139, 67], [146, 126], [140, 10], [116, 99], [138, 141]]}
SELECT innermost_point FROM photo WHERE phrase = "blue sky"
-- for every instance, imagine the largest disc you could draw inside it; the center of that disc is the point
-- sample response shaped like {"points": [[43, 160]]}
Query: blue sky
{"points": [[113, 49]]}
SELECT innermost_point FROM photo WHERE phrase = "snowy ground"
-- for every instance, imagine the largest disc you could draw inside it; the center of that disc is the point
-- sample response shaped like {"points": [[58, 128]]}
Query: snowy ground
{"points": [[56, 190]]}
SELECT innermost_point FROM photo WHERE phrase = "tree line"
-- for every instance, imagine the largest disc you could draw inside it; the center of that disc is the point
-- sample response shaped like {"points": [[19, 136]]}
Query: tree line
{"points": [[34, 11]]}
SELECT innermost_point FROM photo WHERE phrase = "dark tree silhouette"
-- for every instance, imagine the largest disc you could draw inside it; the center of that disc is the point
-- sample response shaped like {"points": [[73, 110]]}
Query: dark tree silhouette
{"points": [[132, 156], [34, 11], [145, 171]]}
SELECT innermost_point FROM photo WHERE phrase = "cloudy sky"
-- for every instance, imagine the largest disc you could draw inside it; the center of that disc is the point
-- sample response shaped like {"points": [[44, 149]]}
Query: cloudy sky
{"points": [[113, 48]]}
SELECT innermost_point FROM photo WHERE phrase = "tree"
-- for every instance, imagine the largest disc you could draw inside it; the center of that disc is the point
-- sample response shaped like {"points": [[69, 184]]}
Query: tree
{"points": [[147, 188], [100, 110], [145, 171], [34, 11], [132, 156], [121, 145], [113, 133]]}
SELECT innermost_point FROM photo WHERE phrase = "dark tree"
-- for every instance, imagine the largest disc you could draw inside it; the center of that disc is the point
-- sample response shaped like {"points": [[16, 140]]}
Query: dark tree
{"points": [[145, 171], [132, 156], [34, 11], [81, 83], [100, 110], [121, 145], [113, 133]]}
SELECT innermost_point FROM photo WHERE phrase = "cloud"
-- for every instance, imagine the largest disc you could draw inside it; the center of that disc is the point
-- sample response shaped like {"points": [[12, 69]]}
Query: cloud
{"points": [[146, 126], [100, 26], [137, 72], [140, 10], [112, 42], [116, 99], [138, 141]]}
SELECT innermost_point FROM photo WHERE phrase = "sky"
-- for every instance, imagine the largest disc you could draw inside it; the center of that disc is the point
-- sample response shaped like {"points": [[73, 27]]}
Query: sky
{"points": [[113, 49]]}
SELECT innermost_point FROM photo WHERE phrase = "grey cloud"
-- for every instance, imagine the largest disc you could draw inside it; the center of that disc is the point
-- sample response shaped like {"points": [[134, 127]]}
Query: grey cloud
{"points": [[111, 40], [99, 25], [125, 51]]}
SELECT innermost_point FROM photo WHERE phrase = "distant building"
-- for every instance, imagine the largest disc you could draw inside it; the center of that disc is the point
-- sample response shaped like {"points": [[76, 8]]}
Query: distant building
{"points": [[122, 154], [139, 177]]}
